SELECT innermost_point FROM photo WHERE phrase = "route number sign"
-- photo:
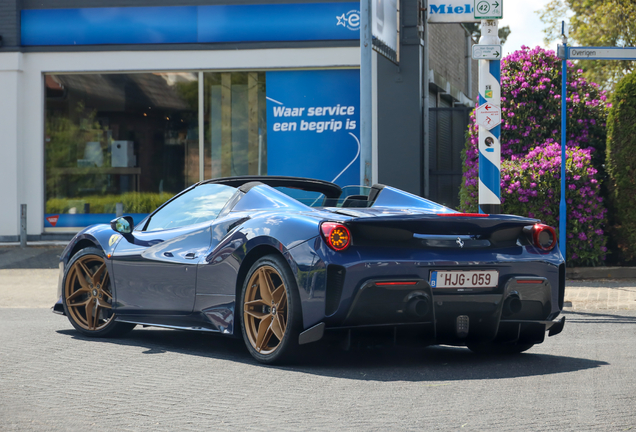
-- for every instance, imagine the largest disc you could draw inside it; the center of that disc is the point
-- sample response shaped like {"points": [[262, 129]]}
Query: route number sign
{"points": [[488, 9]]}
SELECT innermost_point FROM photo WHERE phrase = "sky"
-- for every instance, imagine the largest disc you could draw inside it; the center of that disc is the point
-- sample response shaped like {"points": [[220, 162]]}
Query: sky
{"points": [[525, 25]]}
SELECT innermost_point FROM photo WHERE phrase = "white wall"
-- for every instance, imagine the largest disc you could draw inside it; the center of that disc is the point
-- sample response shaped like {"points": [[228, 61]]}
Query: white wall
{"points": [[10, 159], [22, 106]]}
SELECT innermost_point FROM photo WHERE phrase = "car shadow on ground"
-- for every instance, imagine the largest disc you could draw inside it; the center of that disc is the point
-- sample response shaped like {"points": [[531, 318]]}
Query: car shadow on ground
{"points": [[377, 363], [600, 317]]}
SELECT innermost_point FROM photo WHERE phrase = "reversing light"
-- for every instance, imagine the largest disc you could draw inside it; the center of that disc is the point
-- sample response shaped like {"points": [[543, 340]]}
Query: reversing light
{"points": [[336, 235], [544, 237]]}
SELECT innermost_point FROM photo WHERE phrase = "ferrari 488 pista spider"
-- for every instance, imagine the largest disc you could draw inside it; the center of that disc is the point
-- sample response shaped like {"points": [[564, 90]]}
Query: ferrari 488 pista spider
{"points": [[283, 262]]}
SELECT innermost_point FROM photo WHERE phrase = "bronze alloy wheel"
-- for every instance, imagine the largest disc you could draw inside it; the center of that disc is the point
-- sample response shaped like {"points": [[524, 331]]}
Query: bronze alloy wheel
{"points": [[87, 293], [265, 311]]}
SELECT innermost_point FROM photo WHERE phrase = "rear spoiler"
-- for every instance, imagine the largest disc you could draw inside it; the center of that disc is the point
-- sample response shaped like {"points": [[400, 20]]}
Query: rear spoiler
{"points": [[455, 224]]}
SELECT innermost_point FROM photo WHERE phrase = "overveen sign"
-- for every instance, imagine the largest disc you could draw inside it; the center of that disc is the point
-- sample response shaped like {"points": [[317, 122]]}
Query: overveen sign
{"points": [[451, 11]]}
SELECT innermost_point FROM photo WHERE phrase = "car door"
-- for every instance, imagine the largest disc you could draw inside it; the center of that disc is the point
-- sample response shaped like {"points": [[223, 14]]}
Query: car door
{"points": [[154, 268]]}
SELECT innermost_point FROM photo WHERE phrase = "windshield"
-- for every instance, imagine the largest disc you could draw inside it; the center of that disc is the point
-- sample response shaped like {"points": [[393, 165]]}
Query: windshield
{"points": [[200, 204], [352, 196]]}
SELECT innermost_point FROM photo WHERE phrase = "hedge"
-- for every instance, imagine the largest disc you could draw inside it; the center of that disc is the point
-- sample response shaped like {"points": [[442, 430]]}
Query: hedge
{"points": [[621, 167], [134, 202]]}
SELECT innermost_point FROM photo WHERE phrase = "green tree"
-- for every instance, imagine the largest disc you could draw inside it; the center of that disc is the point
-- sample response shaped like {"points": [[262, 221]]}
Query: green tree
{"points": [[621, 163], [595, 23]]}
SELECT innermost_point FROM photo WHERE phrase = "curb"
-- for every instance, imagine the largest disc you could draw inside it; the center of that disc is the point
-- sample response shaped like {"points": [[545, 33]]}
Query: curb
{"points": [[578, 273], [43, 243]]}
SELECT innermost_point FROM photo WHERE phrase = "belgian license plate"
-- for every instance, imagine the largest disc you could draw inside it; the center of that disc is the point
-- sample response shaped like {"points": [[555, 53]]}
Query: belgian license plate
{"points": [[464, 279]]}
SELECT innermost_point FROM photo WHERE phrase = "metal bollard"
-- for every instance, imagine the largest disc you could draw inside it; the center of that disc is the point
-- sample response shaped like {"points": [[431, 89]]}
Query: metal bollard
{"points": [[119, 209], [23, 225]]}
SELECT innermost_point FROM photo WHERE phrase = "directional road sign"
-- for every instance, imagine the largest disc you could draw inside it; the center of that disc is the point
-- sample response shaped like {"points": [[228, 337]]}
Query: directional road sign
{"points": [[488, 115], [488, 9], [601, 53], [486, 52]]}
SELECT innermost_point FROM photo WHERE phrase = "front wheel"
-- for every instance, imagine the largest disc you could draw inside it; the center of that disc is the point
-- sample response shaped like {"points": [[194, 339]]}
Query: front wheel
{"points": [[270, 312], [87, 296]]}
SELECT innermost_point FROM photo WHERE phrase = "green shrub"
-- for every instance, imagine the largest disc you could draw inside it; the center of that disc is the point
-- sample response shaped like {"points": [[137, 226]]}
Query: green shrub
{"points": [[531, 185], [621, 167], [134, 202]]}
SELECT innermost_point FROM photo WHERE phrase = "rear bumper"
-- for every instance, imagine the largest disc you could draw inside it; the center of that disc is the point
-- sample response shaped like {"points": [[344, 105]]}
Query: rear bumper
{"points": [[509, 331], [520, 310]]}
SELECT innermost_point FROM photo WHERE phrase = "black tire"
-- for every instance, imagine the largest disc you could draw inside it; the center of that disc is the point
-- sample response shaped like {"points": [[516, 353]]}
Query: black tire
{"points": [[493, 348], [87, 296], [261, 304]]}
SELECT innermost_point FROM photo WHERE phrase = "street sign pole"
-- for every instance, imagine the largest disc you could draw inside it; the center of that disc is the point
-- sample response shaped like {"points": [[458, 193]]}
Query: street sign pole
{"points": [[563, 204], [488, 116], [366, 91], [578, 53]]}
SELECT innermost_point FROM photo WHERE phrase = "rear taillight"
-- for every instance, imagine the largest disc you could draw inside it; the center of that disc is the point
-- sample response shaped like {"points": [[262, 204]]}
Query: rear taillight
{"points": [[336, 235], [543, 236]]}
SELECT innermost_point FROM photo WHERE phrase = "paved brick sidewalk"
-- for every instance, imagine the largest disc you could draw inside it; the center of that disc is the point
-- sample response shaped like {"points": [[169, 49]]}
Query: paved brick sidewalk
{"points": [[28, 288], [606, 294]]}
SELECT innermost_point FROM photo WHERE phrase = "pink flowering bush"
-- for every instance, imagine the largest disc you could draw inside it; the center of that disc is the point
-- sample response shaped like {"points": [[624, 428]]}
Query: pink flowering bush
{"points": [[531, 104], [530, 133], [531, 186]]}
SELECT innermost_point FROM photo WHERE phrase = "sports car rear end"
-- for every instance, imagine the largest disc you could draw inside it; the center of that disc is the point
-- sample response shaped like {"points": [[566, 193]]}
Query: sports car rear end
{"points": [[442, 277]]}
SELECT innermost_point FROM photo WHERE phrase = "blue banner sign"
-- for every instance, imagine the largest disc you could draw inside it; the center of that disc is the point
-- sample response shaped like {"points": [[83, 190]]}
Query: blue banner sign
{"points": [[191, 24], [313, 124]]}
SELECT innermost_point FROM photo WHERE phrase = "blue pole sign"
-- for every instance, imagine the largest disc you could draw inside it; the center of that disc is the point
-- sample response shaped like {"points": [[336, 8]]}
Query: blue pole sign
{"points": [[578, 53], [563, 205], [313, 124]]}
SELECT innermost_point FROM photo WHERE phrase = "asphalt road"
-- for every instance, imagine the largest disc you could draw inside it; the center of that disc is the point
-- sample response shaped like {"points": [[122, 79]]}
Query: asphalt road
{"points": [[32, 257], [51, 378]]}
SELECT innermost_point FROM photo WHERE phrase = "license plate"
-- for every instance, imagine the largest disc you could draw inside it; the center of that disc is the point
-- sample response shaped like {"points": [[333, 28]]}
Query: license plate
{"points": [[464, 279]]}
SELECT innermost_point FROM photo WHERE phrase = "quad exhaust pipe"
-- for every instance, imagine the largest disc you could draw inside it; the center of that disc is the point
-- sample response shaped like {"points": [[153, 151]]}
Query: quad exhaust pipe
{"points": [[512, 305], [418, 305]]}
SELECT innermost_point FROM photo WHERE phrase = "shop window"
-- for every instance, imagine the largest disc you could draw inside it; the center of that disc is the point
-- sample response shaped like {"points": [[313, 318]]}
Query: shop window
{"points": [[235, 124], [133, 139], [117, 138]]}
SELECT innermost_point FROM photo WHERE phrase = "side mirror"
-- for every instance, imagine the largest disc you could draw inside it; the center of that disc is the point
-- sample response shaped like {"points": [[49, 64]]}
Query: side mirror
{"points": [[123, 225]]}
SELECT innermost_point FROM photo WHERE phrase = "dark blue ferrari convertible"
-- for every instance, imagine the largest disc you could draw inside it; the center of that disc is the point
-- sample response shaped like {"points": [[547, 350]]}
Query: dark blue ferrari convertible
{"points": [[283, 262]]}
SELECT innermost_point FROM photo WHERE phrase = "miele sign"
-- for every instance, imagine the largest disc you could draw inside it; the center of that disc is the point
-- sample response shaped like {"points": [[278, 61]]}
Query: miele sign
{"points": [[456, 11]]}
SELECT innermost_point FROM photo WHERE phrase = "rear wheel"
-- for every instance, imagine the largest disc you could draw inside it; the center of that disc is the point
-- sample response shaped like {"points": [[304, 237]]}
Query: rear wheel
{"points": [[270, 312], [87, 296], [493, 348]]}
